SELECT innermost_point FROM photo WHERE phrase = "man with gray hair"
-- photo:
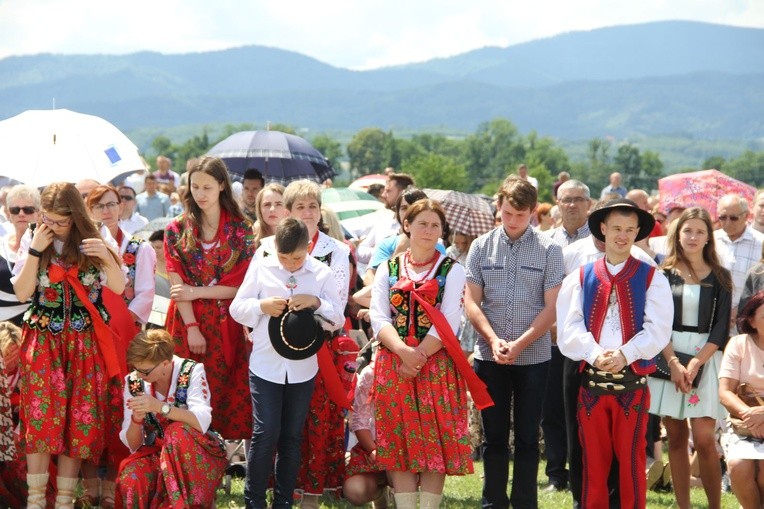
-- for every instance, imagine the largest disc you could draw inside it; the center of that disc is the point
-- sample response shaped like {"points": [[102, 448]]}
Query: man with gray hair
{"points": [[742, 241], [573, 201], [614, 186]]}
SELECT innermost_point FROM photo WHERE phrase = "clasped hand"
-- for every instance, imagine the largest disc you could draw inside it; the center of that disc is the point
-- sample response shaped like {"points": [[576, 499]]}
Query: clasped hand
{"points": [[274, 306], [412, 360], [143, 404], [612, 361]]}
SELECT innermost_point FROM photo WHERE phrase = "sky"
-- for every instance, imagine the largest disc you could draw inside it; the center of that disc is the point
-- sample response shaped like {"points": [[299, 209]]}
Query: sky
{"points": [[354, 34]]}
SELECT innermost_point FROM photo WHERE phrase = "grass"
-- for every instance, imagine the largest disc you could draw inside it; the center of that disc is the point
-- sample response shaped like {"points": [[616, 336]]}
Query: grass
{"points": [[464, 493]]}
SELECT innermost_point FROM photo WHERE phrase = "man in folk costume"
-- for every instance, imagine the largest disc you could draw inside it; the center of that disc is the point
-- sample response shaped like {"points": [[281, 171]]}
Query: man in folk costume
{"points": [[615, 315]]}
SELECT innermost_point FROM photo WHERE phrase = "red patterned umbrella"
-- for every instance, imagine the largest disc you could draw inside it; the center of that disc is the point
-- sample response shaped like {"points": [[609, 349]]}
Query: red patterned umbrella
{"points": [[700, 189], [465, 213]]}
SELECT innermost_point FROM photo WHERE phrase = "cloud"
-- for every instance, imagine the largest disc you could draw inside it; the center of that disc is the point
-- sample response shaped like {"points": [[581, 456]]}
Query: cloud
{"points": [[345, 33]]}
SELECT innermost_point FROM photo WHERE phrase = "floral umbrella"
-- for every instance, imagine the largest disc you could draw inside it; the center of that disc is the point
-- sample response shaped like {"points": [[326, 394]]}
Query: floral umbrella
{"points": [[700, 189]]}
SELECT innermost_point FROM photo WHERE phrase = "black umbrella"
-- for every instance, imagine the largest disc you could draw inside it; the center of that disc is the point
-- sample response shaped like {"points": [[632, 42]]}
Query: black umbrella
{"points": [[280, 157]]}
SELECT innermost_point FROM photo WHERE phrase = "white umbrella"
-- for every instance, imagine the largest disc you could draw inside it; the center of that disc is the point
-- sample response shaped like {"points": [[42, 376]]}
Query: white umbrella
{"points": [[39, 147]]}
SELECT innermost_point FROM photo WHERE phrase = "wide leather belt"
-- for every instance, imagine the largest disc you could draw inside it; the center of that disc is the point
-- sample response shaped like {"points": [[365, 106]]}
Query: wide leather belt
{"points": [[604, 382]]}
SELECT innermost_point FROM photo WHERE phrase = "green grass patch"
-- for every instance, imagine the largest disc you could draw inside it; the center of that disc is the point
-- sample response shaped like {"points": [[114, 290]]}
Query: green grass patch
{"points": [[464, 493]]}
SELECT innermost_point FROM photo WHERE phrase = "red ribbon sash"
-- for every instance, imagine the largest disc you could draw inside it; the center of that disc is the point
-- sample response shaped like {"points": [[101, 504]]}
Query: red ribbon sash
{"points": [[425, 294], [105, 337], [328, 370]]}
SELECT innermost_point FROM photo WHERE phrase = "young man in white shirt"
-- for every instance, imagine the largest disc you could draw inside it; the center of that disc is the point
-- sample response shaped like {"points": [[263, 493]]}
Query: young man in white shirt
{"points": [[281, 386], [614, 316]]}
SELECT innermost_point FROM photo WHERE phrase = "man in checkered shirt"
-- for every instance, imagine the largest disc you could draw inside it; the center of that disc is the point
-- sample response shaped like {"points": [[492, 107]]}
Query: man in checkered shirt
{"points": [[513, 275], [742, 242]]}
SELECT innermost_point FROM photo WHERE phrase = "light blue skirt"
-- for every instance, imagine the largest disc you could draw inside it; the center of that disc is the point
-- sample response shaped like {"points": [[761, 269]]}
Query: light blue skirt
{"points": [[702, 401]]}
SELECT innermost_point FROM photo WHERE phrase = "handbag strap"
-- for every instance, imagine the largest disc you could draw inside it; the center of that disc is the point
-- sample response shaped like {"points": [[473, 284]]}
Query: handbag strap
{"points": [[746, 390]]}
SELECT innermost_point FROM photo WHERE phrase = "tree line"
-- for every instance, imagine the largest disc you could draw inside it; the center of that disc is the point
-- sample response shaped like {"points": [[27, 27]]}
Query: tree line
{"points": [[479, 161]]}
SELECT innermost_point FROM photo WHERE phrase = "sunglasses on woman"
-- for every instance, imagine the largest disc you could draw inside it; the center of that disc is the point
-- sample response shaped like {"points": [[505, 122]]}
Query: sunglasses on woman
{"points": [[27, 210], [146, 372]]}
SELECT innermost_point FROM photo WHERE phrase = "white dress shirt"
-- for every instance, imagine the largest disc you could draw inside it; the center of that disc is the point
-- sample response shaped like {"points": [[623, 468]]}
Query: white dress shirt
{"points": [[266, 277], [145, 284], [340, 262], [197, 399], [381, 311], [384, 224], [577, 343], [585, 251], [134, 223]]}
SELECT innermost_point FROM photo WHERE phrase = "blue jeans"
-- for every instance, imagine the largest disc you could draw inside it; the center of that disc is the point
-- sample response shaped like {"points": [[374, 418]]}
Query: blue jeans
{"points": [[524, 386], [278, 414]]}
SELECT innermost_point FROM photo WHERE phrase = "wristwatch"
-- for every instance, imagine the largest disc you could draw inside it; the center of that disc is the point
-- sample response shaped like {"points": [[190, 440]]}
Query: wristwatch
{"points": [[165, 411]]}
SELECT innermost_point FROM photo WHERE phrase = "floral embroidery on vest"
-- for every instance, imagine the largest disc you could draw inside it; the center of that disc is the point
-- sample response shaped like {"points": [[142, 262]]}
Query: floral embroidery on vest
{"points": [[129, 258], [55, 302], [402, 302]]}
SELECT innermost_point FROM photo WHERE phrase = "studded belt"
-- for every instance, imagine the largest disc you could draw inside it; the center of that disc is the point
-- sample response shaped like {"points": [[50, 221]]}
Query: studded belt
{"points": [[604, 382]]}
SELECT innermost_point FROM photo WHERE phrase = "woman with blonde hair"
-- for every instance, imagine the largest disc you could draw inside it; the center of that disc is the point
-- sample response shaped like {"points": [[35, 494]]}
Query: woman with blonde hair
{"points": [[63, 266], [702, 291], [176, 460], [207, 251], [269, 210]]}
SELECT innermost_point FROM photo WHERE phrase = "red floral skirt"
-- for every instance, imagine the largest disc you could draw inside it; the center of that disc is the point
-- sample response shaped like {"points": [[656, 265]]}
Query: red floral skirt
{"points": [[421, 423], [360, 462], [63, 389], [229, 385], [185, 472], [323, 441]]}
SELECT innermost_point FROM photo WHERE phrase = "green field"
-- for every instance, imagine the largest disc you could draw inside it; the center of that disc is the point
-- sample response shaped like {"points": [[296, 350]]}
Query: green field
{"points": [[464, 493]]}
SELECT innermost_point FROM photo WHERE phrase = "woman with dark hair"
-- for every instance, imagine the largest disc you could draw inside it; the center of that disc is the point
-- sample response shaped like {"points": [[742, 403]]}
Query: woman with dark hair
{"points": [[702, 291], [68, 352], [396, 244], [207, 250], [743, 364], [420, 397]]}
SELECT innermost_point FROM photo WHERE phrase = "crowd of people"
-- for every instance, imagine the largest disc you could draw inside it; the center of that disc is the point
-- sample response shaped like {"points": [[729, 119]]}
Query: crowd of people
{"points": [[601, 323]]}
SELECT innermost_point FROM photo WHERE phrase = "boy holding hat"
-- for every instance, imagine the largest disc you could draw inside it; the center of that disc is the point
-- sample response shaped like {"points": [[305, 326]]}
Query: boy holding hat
{"points": [[614, 315], [278, 299]]}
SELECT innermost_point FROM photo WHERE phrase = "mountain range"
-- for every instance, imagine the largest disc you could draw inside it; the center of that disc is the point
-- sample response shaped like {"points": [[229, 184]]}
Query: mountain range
{"points": [[665, 78]]}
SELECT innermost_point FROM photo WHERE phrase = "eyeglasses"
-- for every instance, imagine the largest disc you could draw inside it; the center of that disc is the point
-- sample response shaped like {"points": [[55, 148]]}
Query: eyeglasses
{"points": [[572, 200], [146, 372], [101, 206], [27, 210], [126, 197], [734, 219], [51, 222]]}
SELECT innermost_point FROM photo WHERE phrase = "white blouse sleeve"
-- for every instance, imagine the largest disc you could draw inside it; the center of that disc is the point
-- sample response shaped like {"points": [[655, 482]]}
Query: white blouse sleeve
{"points": [[452, 305], [198, 399], [573, 339], [245, 306], [340, 266], [127, 414], [145, 282], [379, 310]]}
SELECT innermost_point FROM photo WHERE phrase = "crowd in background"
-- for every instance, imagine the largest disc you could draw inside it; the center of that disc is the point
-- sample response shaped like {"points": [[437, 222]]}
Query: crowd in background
{"points": [[103, 401]]}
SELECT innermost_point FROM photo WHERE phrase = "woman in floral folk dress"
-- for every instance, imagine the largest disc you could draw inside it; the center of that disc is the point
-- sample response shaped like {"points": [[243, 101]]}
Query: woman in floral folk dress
{"points": [[68, 352], [702, 302], [128, 312], [176, 460], [419, 390], [208, 249]]}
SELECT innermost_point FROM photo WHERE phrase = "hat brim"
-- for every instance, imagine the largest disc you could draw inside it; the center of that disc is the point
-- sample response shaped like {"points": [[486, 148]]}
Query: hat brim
{"points": [[293, 352], [645, 219]]}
